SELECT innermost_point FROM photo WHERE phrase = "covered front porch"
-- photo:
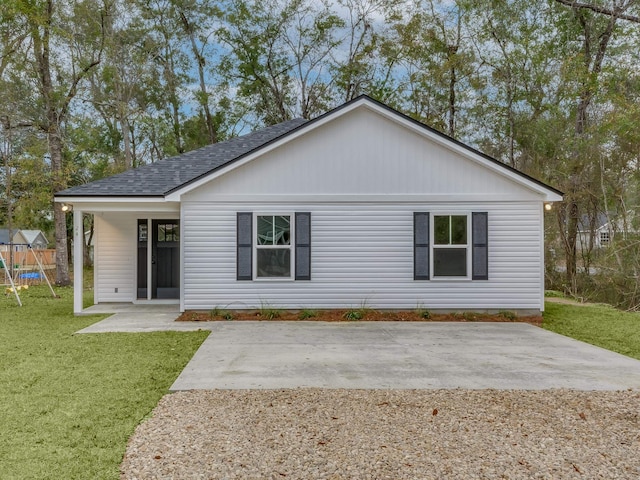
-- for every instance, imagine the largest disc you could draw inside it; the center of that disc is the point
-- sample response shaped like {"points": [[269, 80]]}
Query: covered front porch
{"points": [[137, 251]]}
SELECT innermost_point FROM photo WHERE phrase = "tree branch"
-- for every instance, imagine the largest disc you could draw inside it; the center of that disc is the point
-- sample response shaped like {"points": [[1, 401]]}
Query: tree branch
{"points": [[602, 10], [84, 72]]}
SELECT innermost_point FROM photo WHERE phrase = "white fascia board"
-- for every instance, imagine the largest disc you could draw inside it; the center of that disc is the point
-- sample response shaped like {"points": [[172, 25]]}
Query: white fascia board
{"points": [[385, 198], [73, 200], [90, 205]]}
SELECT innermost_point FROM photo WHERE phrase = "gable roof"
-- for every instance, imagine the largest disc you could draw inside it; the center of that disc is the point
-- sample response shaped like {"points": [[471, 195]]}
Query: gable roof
{"points": [[32, 235], [180, 173]]}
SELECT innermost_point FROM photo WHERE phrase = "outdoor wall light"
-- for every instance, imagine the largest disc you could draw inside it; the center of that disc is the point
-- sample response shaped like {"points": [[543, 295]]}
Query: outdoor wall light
{"points": [[547, 206], [66, 207]]}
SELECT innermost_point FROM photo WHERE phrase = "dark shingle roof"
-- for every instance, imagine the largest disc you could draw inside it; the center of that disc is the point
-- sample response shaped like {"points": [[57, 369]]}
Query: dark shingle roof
{"points": [[4, 235], [160, 178]]}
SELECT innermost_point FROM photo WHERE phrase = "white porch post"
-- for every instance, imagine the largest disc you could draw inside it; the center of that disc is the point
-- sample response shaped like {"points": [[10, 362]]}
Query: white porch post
{"points": [[78, 260]]}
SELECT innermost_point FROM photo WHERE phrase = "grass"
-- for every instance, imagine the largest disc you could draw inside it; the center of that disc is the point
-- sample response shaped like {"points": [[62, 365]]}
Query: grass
{"points": [[354, 314], [422, 312], [269, 312], [218, 312], [307, 313], [599, 325], [508, 315], [68, 402]]}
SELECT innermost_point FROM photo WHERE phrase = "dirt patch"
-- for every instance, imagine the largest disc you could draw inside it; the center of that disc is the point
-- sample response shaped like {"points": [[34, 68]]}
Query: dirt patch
{"points": [[363, 315]]}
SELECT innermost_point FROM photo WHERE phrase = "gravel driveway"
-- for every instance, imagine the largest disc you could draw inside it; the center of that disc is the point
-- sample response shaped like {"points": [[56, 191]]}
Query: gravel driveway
{"points": [[388, 434]]}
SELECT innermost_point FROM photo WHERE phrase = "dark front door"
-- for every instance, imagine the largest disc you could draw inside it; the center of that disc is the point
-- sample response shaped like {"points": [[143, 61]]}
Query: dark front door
{"points": [[165, 259]]}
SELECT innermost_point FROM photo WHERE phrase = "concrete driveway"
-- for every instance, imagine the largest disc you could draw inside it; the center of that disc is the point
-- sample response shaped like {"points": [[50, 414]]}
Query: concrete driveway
{"points": [[271, 355]]}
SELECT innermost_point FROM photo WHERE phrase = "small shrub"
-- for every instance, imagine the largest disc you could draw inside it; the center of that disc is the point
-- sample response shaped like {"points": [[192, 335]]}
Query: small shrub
{"points": [[304, 314], [553, 293], [354, 314], [269, 312], [422, 312], [470, 316], [508, 315], [217, 312]]}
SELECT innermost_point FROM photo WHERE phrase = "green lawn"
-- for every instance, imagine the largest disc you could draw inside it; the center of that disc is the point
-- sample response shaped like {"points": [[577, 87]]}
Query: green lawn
{"points": [[69, 403], [596, 324]]}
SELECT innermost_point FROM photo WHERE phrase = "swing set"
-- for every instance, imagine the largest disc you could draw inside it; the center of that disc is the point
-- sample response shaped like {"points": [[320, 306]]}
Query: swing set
{"points": [[23, 274]]}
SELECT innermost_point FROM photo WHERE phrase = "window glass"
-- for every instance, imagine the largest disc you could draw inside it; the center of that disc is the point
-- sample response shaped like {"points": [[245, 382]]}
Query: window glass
{"points": [[450, 230], [168, 232], [274, 262], [459, 230], [274, 230], [441, 230], [273, 250], [265, 230], [282, 229], [142, 232], [450, 262], [450, 246]]}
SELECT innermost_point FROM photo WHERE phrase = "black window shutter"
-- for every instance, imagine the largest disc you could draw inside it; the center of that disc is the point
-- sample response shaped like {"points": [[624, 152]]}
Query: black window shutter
{"points": [[480, 239], [244, 267], [303, 245], [421, 245]]}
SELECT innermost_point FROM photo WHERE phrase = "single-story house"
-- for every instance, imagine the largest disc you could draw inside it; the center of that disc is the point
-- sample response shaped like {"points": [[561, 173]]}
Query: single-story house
{"points": [[603, 229], [22, 238], [35, 238], [360, 206]]}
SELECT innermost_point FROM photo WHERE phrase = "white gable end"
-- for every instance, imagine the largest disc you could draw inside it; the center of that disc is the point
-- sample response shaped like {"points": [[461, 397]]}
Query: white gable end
{"points": [[364, 153]]}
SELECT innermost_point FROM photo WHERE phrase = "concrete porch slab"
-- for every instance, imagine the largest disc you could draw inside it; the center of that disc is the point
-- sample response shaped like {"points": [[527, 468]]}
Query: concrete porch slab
{"points": [[140, 318]]}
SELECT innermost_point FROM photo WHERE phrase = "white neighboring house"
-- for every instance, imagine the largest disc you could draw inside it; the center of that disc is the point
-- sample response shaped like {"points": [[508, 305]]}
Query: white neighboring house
{"points": [[605, 228], [35, 238], [362, 205]]}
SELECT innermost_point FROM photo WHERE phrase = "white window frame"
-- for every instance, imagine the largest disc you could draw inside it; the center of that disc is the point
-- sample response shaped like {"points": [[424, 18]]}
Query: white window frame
{"points": [[433, 246], [605, 237], [256, 247]]}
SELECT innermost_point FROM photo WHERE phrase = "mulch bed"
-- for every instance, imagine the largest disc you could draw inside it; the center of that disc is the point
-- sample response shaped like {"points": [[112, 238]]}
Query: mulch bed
{"points": [[363, 315]]}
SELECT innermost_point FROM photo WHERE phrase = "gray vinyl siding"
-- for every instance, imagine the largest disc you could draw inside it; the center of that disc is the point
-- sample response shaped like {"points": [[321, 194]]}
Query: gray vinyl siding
{"points": [[362, 253]]}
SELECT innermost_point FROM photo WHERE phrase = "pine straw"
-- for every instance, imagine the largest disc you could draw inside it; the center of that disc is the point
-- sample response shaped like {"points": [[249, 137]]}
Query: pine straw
{"points": [[345, 315]]}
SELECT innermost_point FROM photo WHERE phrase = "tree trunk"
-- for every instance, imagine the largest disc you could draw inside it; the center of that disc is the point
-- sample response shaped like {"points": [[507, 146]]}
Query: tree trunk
{"points": [[592, 68], [87, 242], [59, 220]]}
